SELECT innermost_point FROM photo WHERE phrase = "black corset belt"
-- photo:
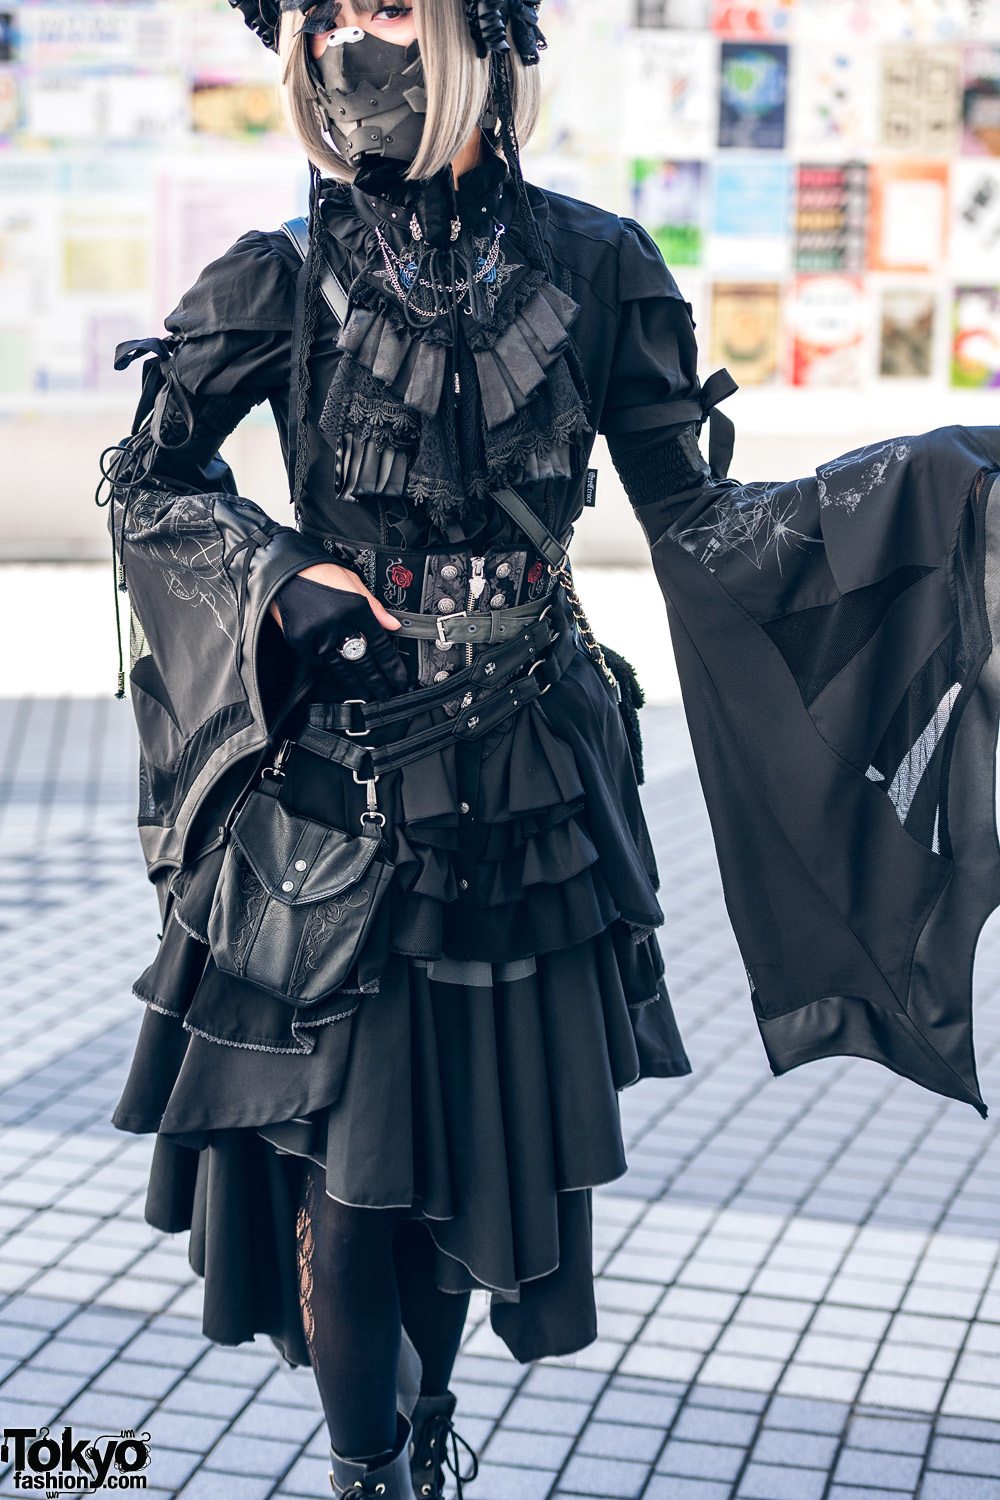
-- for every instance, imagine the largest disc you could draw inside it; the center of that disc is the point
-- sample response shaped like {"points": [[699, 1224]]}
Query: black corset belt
{"points": [[453, 598]]}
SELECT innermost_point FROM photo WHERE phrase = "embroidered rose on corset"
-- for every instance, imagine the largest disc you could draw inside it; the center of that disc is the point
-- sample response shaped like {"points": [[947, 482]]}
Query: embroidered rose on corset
{"points": [[398, 578], [534, 572]]}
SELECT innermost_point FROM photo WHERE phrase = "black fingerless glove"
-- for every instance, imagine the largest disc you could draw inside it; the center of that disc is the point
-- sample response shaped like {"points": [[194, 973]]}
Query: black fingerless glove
{"points": [[320, 622]]}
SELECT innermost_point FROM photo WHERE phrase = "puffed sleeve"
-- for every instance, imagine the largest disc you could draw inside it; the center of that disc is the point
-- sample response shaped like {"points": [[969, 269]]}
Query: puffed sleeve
{"points": [[227, 350], [655, 403]]}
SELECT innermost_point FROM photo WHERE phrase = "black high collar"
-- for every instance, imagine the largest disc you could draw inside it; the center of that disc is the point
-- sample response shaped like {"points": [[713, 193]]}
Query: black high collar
{"points": [[385, 199]]}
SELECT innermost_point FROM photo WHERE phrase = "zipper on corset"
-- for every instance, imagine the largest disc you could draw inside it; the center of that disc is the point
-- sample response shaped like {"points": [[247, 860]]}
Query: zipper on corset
{"points": [[477, 583]]}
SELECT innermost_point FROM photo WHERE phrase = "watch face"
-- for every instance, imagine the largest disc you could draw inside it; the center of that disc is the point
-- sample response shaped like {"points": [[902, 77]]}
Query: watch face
{"points": [[354, 648]]}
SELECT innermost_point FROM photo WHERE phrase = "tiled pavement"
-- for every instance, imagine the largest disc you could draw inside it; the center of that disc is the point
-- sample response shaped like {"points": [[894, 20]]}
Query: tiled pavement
{"points": [[799, 1278]]}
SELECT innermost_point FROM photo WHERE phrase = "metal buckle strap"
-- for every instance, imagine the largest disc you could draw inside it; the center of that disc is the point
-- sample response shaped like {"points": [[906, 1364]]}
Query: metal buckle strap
{"points": [[367, 761], [469, 629], [357, 717]]}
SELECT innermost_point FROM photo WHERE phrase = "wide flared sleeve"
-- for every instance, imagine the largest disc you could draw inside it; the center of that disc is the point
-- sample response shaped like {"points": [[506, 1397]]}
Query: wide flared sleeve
{"points": [[655, 403], [835, 640], [227, 350]]}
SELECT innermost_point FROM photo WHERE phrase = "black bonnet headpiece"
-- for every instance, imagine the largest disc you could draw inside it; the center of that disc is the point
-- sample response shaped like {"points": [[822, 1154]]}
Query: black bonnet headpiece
{"points": [[488, 22]]}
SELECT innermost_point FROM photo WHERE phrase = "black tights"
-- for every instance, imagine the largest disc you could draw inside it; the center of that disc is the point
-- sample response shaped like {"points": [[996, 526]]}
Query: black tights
{"points": [[363, 1274]]}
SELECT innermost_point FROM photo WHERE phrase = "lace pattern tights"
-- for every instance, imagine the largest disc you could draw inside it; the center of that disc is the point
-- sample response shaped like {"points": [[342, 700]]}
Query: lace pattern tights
{"points": [[365, 1273]]}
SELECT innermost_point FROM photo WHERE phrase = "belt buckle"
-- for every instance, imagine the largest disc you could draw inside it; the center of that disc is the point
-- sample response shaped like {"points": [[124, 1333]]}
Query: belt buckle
{"points": [[354, 734], [442, 621]]}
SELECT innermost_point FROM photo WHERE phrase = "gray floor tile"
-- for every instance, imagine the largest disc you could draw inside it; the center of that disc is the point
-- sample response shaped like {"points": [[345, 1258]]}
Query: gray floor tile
{"points": [[498, 1483], [608, 1478], [799, 1414], [887, 1470], [206, 1398], [620, 1440], [634, 1406], [208, 1486], [238, 1454], [959, 1487], [662, 1487], [537, 1414], [805, 1449], [700, 1460], [954, 1455], [767, 1482], [529, 1450], [887, 1435]]}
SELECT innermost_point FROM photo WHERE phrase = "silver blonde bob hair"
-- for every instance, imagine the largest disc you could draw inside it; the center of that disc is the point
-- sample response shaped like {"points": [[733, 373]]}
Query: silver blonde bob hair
{"points": [[457, 81]]}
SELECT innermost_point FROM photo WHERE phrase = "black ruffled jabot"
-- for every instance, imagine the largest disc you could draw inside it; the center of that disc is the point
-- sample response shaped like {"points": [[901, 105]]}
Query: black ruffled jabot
{"points": [[458, 374]]}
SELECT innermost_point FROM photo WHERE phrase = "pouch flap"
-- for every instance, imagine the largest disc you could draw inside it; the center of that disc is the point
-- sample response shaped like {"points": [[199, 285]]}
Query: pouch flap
{"points": [[299, 860]]}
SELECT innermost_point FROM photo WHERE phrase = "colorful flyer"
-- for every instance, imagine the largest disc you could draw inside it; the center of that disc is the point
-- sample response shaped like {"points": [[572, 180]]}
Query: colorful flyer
{"points": [[975, 220], [668, 199], [826, 321], [831, 217], [908, 224], [671, 86], [753, 94], [746, 330], [975, 350], [834, 103], [750, 217], [238, 110], [981, 100], [906, 346], [770, 21], [921, 99], [120, 35]]}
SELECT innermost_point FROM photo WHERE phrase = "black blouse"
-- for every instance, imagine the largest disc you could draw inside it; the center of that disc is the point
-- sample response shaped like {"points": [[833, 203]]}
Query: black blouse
{"points": [[630, 344]]}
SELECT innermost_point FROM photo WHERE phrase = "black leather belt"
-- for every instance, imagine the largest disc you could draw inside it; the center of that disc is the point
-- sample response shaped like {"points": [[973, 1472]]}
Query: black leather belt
{"points": [[491, 669], [476, 718], [470, 629]]}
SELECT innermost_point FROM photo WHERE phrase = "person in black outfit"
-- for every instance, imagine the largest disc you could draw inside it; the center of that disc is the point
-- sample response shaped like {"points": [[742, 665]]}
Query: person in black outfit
{"points": [[439, 345]]}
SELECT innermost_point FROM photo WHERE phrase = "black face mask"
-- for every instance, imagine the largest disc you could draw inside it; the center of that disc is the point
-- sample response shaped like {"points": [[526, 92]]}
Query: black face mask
{"points": [[371, 99]]}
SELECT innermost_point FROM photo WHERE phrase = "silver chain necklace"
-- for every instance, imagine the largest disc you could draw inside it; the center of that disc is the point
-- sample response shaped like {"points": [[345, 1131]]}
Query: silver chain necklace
{"points": [[402, 274]]}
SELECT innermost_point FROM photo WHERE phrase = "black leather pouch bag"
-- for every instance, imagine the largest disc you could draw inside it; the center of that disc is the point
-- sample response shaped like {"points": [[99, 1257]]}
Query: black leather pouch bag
{"points": [[296, 899]]}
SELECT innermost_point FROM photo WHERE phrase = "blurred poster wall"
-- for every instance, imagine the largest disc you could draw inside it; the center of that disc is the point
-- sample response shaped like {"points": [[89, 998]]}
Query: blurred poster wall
{"points": [[822, 176]]}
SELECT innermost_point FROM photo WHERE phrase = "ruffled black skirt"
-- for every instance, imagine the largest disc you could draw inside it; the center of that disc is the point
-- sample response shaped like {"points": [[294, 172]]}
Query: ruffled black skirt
{"points": [[474, 1084]]}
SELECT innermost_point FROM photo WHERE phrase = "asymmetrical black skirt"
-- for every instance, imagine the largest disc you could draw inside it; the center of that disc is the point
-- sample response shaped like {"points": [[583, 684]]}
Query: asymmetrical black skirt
{"points": [[475, 1086]]}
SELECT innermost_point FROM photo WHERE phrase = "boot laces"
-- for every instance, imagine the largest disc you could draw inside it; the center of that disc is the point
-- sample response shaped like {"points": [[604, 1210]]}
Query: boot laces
{"points": [[443, 1444]]}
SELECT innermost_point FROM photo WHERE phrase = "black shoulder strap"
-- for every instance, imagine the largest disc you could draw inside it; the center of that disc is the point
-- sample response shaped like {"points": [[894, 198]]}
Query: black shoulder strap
{"points": [[330, 284], [535, 529]]}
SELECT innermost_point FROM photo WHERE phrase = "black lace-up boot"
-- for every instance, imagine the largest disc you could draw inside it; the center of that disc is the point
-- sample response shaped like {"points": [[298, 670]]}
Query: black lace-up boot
{"points": [[389, 1479], [434, 1448]]}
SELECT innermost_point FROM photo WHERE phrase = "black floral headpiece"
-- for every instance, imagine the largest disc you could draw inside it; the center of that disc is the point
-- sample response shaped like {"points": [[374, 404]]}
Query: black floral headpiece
{"points": [[488, 22]]}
